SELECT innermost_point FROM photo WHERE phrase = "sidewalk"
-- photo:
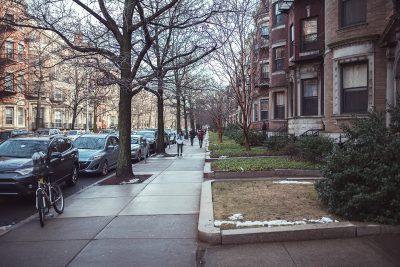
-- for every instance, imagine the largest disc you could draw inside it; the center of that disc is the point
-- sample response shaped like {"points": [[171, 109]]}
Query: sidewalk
{"points": [[148, 224]]}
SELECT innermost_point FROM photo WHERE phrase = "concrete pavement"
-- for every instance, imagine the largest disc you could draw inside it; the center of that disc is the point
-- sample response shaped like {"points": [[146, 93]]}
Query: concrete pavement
{"points": [[148, 224], [155, 224]]}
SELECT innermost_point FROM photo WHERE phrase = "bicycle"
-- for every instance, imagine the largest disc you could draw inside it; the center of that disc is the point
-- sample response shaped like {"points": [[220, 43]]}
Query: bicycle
{"points": [[48, 195]]}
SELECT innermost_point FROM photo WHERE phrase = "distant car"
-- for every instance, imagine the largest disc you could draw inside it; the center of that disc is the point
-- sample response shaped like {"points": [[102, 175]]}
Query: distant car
{"points": [[73, 134], [47, 131], [108, 131], [16, 166], [98, 153], [139, 147], [151, 137]]}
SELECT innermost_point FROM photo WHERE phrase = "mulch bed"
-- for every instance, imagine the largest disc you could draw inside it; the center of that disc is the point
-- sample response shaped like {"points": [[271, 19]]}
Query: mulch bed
{"points": [[114, 180]]}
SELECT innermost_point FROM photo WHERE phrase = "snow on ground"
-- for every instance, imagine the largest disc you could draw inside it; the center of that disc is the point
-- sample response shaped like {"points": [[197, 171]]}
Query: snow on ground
{"points": [[131, 181], [291, 182], [237, 220]]}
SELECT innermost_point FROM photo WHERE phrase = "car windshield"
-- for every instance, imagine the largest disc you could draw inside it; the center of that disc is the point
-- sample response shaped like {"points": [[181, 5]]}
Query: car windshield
{"points": [[147, 134], [43, 132], [134, 140], [22, 148], [72, 132], [90, 142]]}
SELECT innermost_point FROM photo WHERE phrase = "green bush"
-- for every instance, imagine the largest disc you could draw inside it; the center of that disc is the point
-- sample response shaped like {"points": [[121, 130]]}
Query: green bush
{"points": [[314, 148], [255, 138], [232, 130], [363, 177], [277, 142]]}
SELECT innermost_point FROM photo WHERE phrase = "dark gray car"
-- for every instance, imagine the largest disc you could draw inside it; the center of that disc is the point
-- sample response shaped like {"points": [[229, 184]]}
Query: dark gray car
{"points": [[98, 153]]}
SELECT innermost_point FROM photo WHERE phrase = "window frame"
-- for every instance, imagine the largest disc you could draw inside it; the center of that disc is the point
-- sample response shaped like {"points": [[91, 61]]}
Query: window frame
{"points": [[341, 8], [20, 83], [262, 110], [9, 82], [255, 112], [279, 61], [344, 108], [278, 113], [279, 17], [20, 116], [307, 46], [291, 39], [12, 115], [309, 99], [21, 52], [9, 50]]}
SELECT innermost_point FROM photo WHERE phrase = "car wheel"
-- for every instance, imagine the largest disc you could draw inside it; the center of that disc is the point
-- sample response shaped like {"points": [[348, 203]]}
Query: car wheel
{"points": [[104, 169], [74, 176]]}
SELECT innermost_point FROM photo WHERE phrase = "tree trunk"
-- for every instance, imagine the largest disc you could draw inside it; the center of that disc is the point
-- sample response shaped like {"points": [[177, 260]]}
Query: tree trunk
{"points": [[95, 118], [178, 108], [246, 139], [191, 115], [219, 130], [160, 117], [124, 166], [74, 115]]}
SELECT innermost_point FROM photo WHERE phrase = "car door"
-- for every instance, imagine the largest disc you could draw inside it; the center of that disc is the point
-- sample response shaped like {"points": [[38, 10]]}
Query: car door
{"points": [[55, 170], [115, 143], [68, 156]]}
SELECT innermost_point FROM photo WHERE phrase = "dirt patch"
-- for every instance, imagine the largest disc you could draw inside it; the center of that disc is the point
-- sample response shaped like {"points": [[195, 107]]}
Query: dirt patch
{"points": [[264, 201], [114, 180]]}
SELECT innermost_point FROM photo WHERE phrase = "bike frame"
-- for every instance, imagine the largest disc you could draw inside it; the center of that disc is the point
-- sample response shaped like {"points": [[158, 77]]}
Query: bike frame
{"points": [[45, 188]]}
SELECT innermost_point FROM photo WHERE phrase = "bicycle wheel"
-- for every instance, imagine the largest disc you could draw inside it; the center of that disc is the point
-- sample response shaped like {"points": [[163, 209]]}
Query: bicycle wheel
{"points": [[57, 199], [40, 205]]}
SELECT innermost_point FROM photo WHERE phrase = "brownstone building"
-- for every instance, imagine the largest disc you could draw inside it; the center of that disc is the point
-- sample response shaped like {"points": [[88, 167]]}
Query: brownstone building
{"points": [[13, 66], [305, 70], [355, 59]]}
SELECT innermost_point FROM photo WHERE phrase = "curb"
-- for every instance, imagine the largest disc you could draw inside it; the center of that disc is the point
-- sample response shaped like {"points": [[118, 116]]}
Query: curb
{"points": [[280, 173], [207, 232], [209, 159]]}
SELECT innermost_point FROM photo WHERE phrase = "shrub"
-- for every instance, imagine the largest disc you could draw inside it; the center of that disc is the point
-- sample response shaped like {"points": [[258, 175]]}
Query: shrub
{"points": [[277, 142], [363, 177], [232, 130], [314, 148]]}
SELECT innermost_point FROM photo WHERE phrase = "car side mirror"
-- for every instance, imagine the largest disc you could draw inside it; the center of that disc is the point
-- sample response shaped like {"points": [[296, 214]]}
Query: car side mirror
{"points": [[55, 155]]}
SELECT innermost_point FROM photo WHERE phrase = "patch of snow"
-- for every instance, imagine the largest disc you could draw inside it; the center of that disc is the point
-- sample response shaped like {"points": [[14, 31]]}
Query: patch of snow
{"points": [[237, 220], [236, 217], [291, 182], [5, 227], [131, 181], [241, 169], [223, 157]]}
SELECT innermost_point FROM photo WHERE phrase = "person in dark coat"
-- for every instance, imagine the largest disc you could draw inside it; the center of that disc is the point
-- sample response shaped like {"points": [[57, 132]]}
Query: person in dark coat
{"points": [[192, 136]]}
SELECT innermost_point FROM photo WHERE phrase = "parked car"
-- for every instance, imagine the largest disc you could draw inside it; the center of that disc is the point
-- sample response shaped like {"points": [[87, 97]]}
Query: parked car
{"points": [[108, 131], [73, 134], [16, 166], [47, 131], [139, 147], [151, 137], [98, 153], [4, 135]]}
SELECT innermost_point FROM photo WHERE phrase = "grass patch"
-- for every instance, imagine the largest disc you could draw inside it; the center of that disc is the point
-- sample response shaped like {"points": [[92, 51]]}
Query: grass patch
{"points": [[230, 148], [263, 200], [260, 164]]}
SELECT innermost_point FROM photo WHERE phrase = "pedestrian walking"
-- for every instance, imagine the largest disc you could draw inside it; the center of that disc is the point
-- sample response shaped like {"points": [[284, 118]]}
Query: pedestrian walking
{"points": [[192, 136], [179, 142], [200, 135]]}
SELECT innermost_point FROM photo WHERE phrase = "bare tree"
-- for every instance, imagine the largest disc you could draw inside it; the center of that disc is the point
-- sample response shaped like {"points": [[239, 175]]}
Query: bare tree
{"points": [[233, 59], [121, 32]]}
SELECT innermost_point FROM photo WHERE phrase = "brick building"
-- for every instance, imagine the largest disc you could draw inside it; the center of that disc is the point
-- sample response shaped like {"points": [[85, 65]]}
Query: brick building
{"points": [[355, 62], [13, 66], [305, 66]]}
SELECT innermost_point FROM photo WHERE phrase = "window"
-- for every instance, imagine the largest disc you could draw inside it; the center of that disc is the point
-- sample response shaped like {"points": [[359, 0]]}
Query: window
{"points": [[41, 116], [353, 12], [9, 116], [57, 94], [9, 18], [291, 40], [279, 58], [20, 116], [20, 52], [309, 34], [279, 17], [310, 97], [57, 118], [354, 88], [9, 50], [255, 112], [280, 105], [264, 73], [264, 31], [264, 109], [21, 84], [9, 82]]}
